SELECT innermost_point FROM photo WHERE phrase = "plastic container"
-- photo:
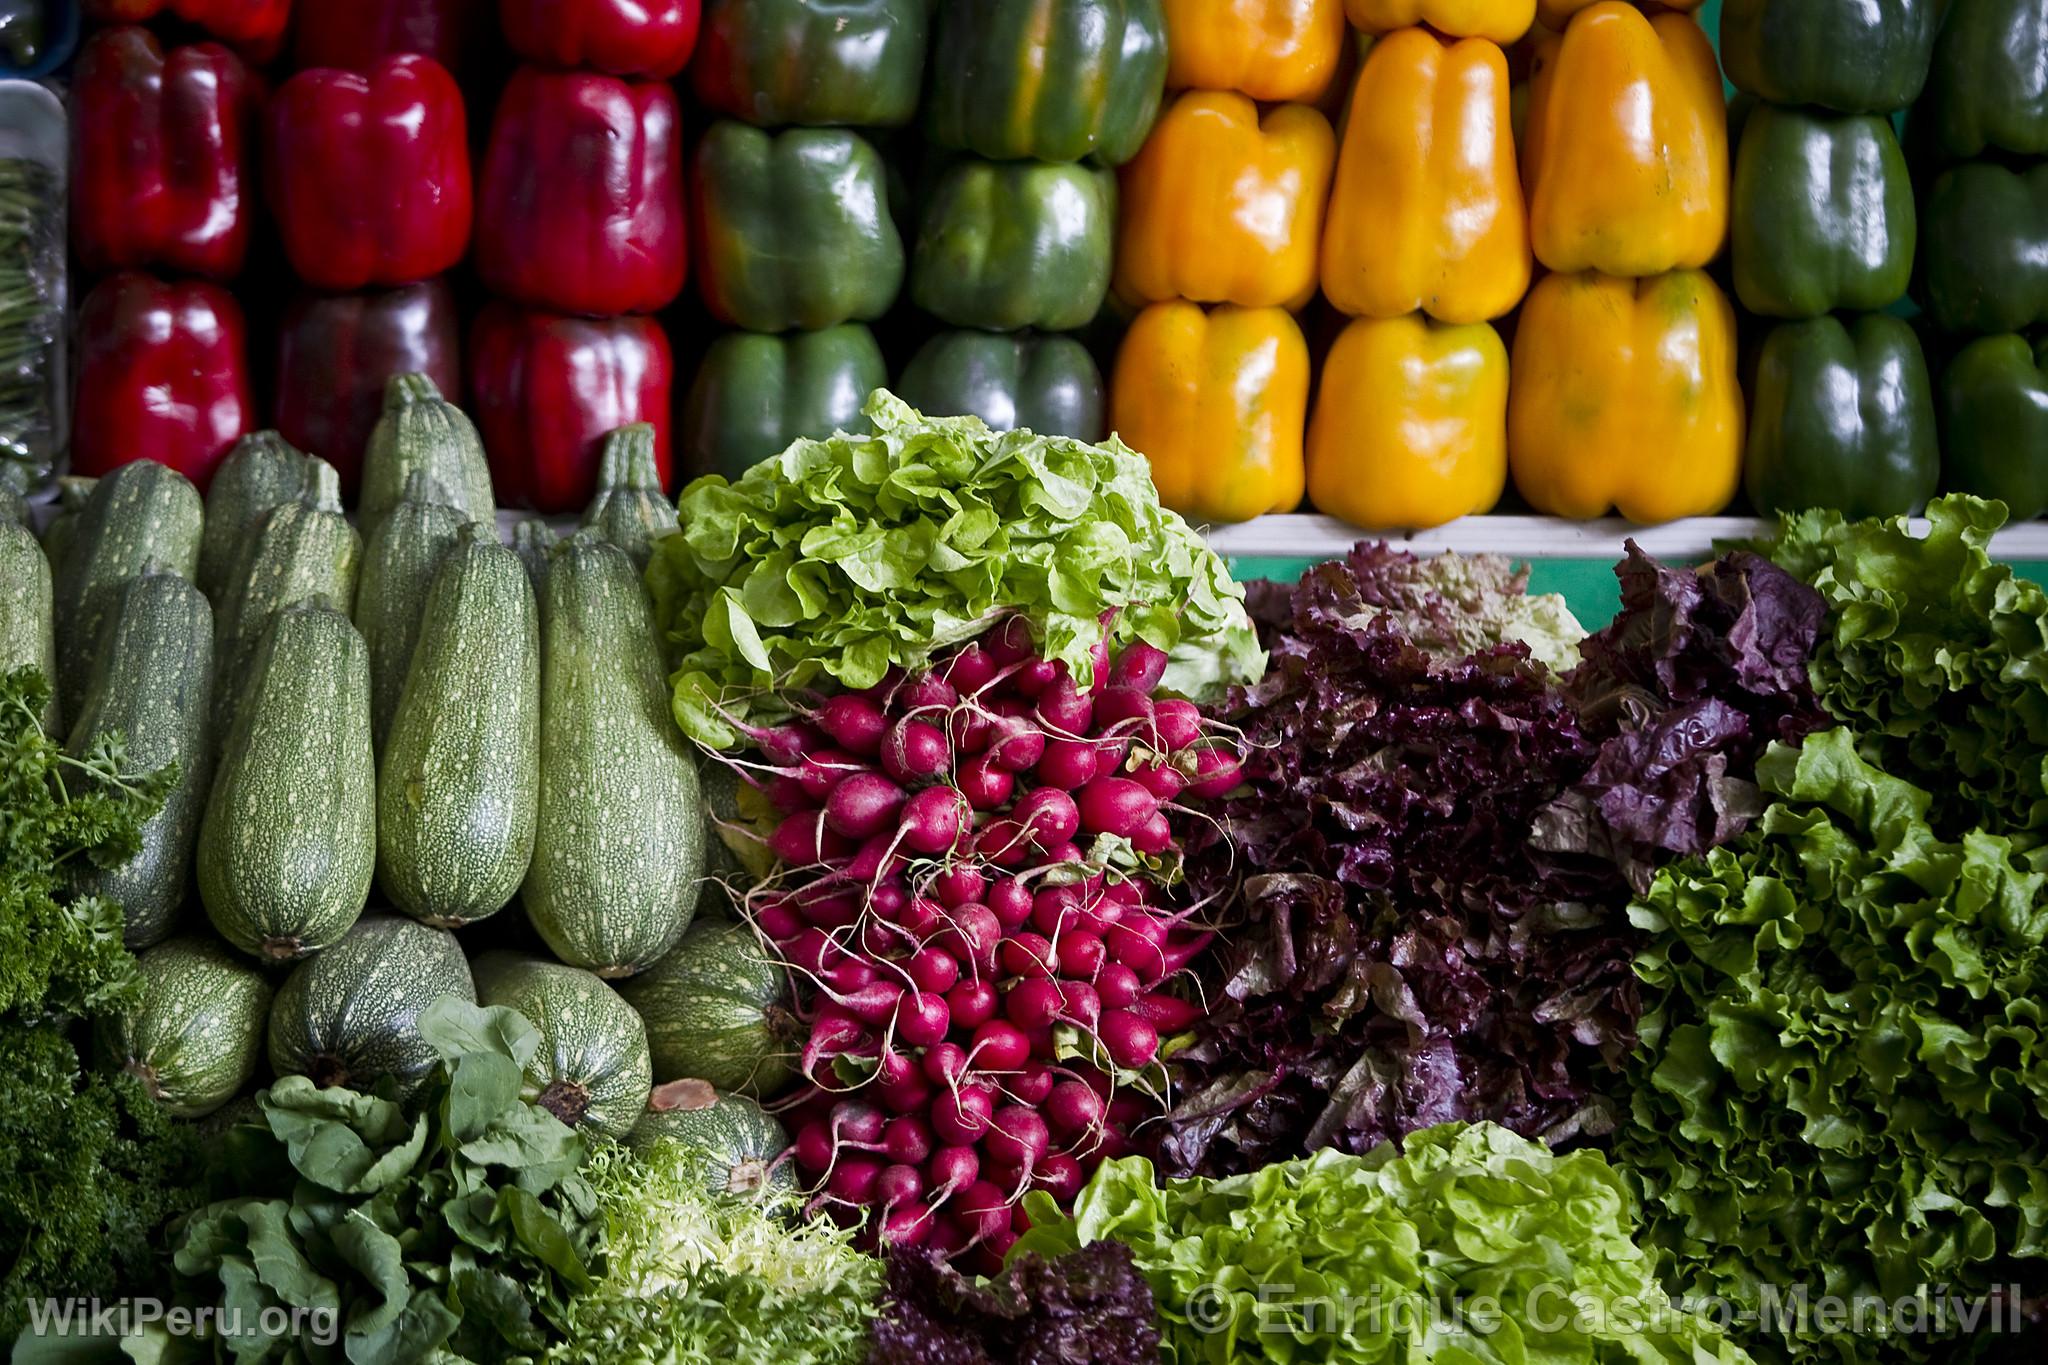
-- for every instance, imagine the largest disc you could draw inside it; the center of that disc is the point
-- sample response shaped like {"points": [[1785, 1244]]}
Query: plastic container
{"points": [[48, 29], [34, 385]]}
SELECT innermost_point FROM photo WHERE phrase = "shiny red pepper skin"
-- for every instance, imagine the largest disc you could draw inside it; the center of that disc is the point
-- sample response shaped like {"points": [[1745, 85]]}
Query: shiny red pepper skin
{"points": [[163, 374], [162, 150], [581, 205], [645, 39], [547, 389], [358, 34], [336, 353], [368, 175], [254, 27]]}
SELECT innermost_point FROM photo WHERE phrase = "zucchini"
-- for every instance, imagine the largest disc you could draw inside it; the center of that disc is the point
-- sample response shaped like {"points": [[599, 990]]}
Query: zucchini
{"points": [[421, 432], [591, 1068], [533, 540], [289, 840], [154, 685], [719, 1009], [28, 636], [13, 506], [62, 531], [620, 849], [142, 516], [630, 509], [195, 1033], [459, 778], [351, 1015], [399, 560], [263, 472], [305, 551], [739, 1138]]}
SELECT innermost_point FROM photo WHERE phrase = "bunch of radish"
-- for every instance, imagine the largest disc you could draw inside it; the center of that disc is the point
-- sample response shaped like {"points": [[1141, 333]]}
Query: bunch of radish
{"points": [[974, 872]]}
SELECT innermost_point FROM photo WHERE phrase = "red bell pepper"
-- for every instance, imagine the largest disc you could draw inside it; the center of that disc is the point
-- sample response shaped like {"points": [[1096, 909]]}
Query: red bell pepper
{"points": [[581, 206], [645, 39], [254, 27], [369, 175], [163, 374], [356, 35], [160, 155], [548, 388], [336, 353]]}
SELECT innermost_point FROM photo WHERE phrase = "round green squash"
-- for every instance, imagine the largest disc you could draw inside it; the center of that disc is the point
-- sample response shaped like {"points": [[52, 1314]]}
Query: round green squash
{"points": [[740, 1139], [591, 1068], [351, 1014], [718, 1008], [195, 1034]]}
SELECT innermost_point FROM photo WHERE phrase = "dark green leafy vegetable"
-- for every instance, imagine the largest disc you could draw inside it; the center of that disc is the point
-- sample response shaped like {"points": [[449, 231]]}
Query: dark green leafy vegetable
{"points": [[826, 565]]}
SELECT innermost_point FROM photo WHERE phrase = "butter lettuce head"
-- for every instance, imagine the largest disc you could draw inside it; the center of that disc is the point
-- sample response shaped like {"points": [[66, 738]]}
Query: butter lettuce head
{"points": [[825, 566]]}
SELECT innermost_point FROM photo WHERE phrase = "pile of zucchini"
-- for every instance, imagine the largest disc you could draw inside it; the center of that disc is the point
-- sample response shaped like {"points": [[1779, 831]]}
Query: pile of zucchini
{"points": [[387, 730]]}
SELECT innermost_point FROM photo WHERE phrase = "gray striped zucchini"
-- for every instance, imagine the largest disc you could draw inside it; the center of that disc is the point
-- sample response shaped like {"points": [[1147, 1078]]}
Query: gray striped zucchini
{"points": [[289, 840], [62, 529], [591, 1068], [422, 432], [458, 781], [739, 1139], [28, 635], [351, 1015], [194, 1035], [399, 559], [533, 540], [631, 510], [263, 472], [139, 517], [13, 507], [719, 1009]]}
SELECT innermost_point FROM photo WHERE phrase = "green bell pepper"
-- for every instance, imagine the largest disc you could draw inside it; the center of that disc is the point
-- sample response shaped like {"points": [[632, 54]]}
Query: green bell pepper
{"points": [[1046, 384], [1842, 417], [1986, 251], [792, 229], [1994, 402], [754, 394], [1853, 56], [1989, 84], [1047, 80], [819, 62], [1010, 244], [1822, 211]]}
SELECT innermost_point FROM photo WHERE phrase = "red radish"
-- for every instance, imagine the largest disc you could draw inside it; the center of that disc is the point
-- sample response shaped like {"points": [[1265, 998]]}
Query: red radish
{"points": [[894, 1066], [1178, 722], [1027, 954], [1073, 1107], [832, 1035], [812, 950], [1034, 677], [853, 1179], [1006, 1176], [1010, 643], [1155, 836], [820, 772], [919, 917], [788, 796], [880, 939], [1167, 1013], [1033, 1004], [1067, 764], [1032, 1084], [973, 936], [945, 1064], [922, 1018], [1060, 1175], [831, 912], [1081, 955], [970, 728], [907, 1225], [1129, 1038], [1139, 667], [1068, 852], [973, 1003], [1011, 901], [854, 974], [778, 919], [961, 1115], [783, 744], [986, 786], [1057, 910], [1065, 710], [855, 723], [1110, 751], [1119, 710], [874, 1004], [1118, 986], [802, 839], [983, 1209], [1116, 805], [915, 752], [863, 805], [879, 693], [814, 1147], [875, 860], [930, 969], [1050, 816], [999, 1046], [959, 885], [1176, 953], [934, 819], [908, 1139], [1126, 1110], [925, 692], [911, 1095], [1083, 1005], [857, 1121], [970, 670], [898, 1184], [1017, 745], [1163, 780], [953, 1168], [1004, 843], [1127, 891], [1217, 774]]}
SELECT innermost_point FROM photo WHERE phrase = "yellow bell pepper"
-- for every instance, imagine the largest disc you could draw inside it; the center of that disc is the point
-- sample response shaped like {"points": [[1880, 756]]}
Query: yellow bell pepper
{"points": [[1427, 211], [1411, 424], [1216, 401], [1626, 151], [1497, 21], [1272, 50], [1555, 14], [1222, 206], [1626, 397]]}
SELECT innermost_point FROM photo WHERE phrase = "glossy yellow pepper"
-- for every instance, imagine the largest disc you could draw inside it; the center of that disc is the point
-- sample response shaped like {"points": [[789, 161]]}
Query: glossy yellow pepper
{"points": [[1427, 211], [1223, 206], [1216, 401], [1271, 50], [1555, 14], [1411, 424], [1497, 21], [1626, 397], [1626, 151]]}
